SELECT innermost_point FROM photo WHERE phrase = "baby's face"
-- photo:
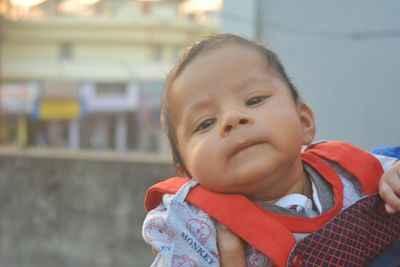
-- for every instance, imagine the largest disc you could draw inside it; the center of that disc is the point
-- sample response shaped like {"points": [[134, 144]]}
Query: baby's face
{"points": [[238, 128]]}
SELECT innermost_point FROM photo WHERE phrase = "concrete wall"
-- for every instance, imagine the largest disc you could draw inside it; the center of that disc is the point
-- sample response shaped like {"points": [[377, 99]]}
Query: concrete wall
{"points": [[239, 17], [74, 209]]}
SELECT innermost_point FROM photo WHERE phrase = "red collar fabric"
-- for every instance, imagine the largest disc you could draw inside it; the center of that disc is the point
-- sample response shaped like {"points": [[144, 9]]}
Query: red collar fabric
{"points": [[270, 233]]}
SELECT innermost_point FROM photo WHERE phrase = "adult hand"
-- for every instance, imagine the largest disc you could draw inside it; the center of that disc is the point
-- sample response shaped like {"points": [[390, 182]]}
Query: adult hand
{"points": [[389, 188], [231, 248]]}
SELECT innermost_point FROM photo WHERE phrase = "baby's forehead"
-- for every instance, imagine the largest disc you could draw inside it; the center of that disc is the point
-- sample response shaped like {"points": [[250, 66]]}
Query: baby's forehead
{"points": [[209, 70]]}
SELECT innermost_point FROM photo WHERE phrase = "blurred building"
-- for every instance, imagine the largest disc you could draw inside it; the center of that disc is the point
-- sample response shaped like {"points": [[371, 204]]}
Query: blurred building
{"points": [[89, 73]]}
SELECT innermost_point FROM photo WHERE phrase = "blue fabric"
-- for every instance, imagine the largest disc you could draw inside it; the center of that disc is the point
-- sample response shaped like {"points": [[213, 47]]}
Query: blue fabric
{"points": [[390, 151], [389, 258]]}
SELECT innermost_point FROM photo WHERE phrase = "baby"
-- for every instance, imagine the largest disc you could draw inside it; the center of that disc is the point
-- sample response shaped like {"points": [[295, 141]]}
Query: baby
{"points": [[243, 137]]}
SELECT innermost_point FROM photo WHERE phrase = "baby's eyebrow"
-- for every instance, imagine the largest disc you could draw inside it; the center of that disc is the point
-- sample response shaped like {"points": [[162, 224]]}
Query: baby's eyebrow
{"points": [[196, 105], [191, 110], [254, 80]]}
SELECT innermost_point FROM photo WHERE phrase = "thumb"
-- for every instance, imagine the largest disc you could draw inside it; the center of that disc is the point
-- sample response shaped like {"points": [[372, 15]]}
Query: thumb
{"points": [[231, 248]]}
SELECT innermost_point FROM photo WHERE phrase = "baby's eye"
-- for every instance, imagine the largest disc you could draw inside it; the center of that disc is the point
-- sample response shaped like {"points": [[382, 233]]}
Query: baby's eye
{"points": [[205, 124], [255, 100]]}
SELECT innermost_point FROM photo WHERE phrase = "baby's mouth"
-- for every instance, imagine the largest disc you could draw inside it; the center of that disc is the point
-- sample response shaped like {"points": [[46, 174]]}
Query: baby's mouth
{"points": [[241, 146]]}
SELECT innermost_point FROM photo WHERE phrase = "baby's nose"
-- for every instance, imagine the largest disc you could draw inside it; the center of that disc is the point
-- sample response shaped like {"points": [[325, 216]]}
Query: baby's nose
{"points": [[233, 120]]}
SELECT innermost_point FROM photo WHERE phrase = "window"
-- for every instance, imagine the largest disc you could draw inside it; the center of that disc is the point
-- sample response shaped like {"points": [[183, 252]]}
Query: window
{"points": [[111, 89], [65, 52], [157, 53]]}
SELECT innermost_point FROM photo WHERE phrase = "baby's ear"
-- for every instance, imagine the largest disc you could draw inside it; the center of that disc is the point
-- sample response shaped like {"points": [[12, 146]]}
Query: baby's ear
{"points": [[308, 123], [181, 171]]}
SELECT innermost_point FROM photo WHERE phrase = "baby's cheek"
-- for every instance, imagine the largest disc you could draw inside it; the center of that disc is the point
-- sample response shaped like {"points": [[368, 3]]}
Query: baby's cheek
{"points": [[204, 160], [205, 169]]}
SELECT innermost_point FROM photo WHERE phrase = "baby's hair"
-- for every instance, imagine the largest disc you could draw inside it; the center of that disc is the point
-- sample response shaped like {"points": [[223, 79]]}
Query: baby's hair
{"points": [[272, 60]]}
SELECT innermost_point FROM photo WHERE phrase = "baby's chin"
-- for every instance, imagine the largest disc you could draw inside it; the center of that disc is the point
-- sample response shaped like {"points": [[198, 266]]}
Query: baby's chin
{"points": [[243, 179], [249, 185]]}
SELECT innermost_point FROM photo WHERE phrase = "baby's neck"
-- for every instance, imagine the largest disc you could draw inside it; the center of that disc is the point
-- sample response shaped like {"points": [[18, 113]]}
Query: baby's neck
{"points": [[302, 186]]}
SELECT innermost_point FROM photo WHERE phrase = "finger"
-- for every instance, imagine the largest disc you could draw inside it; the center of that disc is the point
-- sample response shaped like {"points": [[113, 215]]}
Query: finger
{"points": [[230, 247], [389, 209], [227, 240], [390, 198], [154, 251], [393, 180]]}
